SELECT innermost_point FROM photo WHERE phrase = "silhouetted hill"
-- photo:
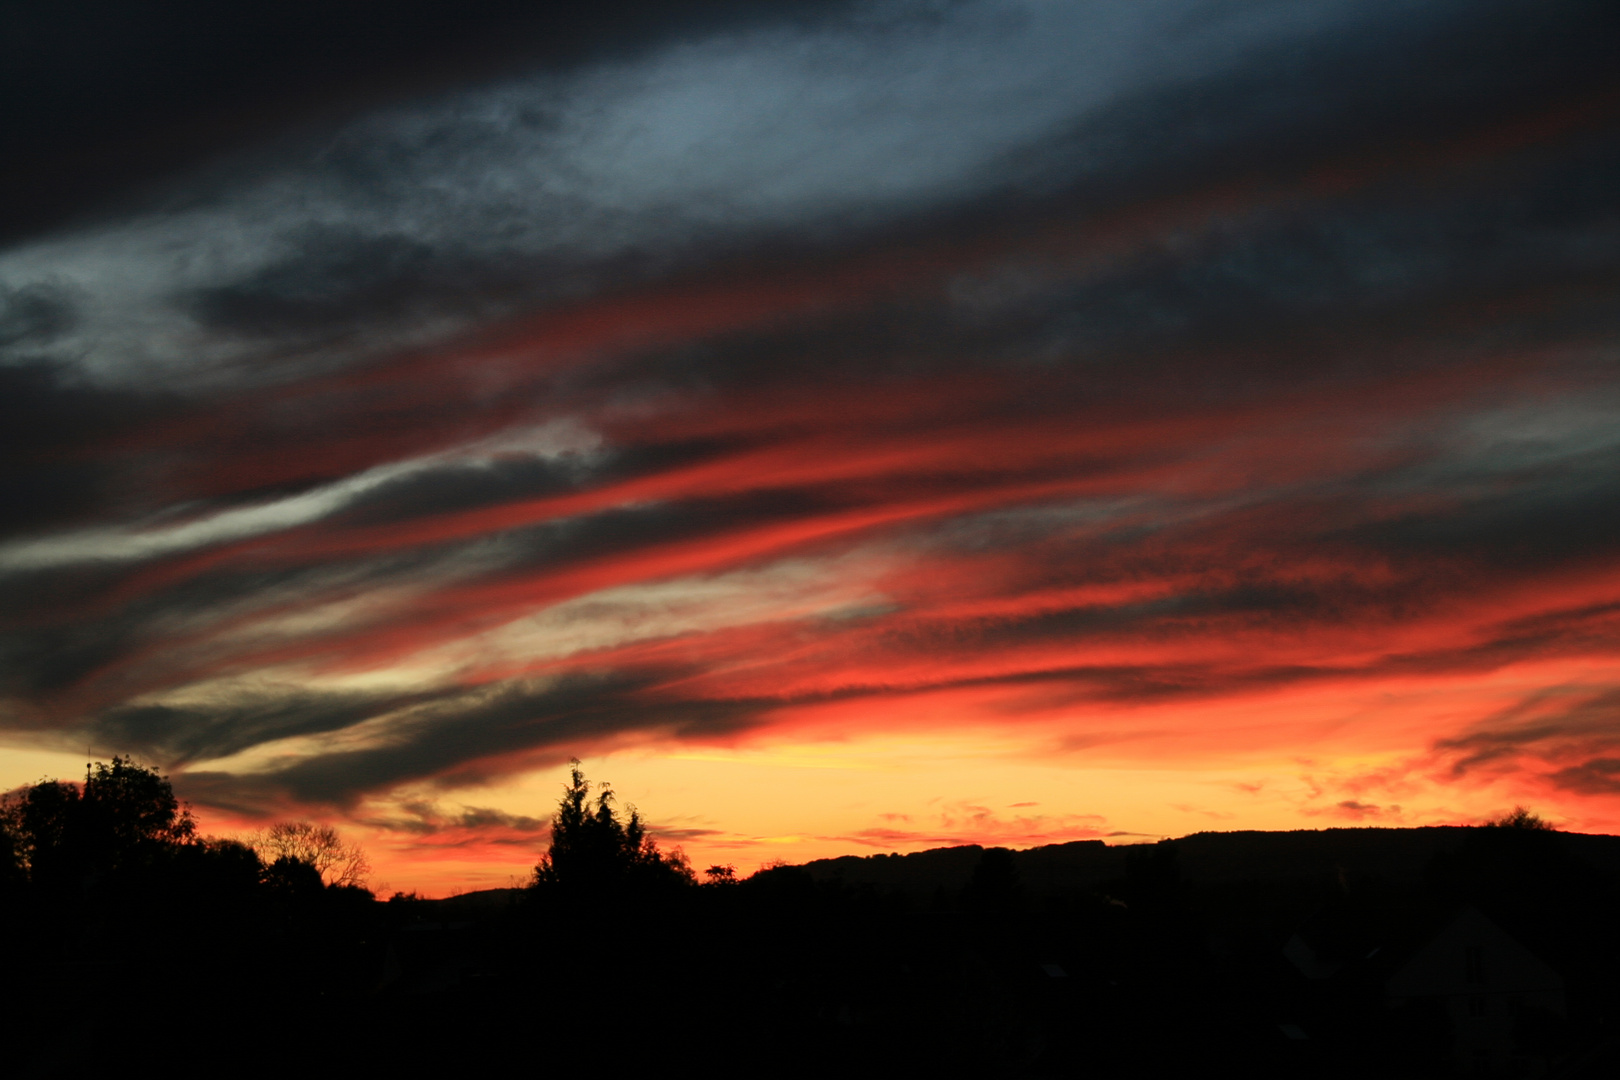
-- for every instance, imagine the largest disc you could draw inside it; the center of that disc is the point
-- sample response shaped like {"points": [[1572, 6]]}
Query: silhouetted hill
{"points": [[1395, 855], [471, 905]]}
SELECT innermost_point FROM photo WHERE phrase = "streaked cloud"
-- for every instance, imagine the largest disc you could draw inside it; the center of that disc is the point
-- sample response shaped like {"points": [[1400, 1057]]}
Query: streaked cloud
{"points": [[222, 526]]}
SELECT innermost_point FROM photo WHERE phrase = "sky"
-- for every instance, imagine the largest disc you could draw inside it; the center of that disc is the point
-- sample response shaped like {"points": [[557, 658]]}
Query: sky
{"points": [[844, 427]]}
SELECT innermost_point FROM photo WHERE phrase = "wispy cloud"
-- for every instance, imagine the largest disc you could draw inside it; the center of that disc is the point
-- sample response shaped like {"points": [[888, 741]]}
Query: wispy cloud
{"points": [[558, 440]]}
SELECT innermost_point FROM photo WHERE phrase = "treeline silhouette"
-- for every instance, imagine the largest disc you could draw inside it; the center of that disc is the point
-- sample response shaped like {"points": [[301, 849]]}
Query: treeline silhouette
{"points": [[129, 935]]}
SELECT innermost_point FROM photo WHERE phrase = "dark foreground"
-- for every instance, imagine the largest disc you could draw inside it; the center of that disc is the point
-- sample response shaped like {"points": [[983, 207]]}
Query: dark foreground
{"points": [[1272, 953]]}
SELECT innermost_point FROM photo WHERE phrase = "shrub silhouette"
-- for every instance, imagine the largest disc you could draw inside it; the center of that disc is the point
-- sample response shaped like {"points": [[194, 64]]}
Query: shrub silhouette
{"points": [[1520, 818]]}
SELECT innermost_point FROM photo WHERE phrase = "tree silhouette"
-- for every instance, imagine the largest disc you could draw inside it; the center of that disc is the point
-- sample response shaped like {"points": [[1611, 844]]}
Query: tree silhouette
{"points": [[293, 879], [337, 861], [123, 814], [129, 805], [41, 821], [593, 851], [12, 876]]}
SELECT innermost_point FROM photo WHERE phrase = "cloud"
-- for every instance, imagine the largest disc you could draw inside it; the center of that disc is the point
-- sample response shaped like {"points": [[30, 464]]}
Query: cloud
{"points": [[555, 441], [461, 740], [1565, 736], [1023, 364], [182, 733], [1354, 808], [413, 223], [1598, 776], [433, 825]]}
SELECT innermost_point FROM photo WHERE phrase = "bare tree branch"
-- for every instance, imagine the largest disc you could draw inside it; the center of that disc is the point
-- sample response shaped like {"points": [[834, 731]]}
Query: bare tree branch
{"points": [[339, 862]]}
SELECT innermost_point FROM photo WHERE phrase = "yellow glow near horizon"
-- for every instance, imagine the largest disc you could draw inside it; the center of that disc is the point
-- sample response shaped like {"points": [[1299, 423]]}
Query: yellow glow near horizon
{"points": [[935, 768], [796, 801]]}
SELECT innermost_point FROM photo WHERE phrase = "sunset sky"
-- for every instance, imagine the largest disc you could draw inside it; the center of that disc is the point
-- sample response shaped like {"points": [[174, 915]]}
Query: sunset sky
{"points": [[846, 427]]}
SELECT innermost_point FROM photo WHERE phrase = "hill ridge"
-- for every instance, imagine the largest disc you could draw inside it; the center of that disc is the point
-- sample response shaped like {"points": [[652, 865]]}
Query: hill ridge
{"points": [[1209, 856]]}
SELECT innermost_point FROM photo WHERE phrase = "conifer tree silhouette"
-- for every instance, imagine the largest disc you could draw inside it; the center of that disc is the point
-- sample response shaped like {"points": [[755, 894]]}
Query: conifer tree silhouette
{"points": [[594, 851]]}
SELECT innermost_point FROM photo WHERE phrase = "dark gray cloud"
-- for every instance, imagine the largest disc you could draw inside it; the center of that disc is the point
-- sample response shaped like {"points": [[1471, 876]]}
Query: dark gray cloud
{"points": [[1599, 776], [1563, 508], [110, 99], [181, 734], [33, 316], [482, 817], [1541, 734], [50, 474], [468, 739], [397, 222], [470, 825], [62, 633]]}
